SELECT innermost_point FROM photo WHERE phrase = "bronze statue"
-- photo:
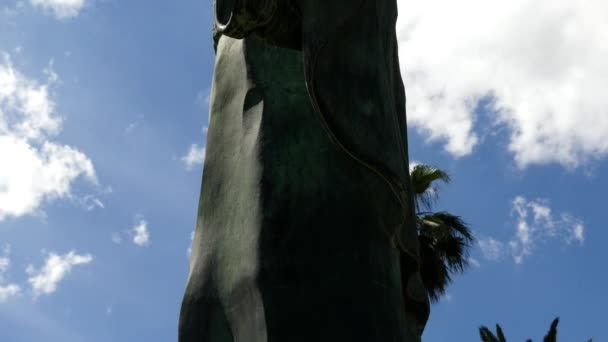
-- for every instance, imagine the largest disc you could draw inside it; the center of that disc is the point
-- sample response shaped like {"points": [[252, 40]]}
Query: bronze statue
{"points": [[306, 227]]}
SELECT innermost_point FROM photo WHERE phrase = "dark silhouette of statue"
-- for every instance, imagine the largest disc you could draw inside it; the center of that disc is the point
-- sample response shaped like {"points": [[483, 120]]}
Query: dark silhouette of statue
{"points": [[306, 228]]}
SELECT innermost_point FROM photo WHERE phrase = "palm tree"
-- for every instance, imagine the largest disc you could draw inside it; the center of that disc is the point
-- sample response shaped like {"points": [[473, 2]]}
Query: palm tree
{"points": [[444, 239]]}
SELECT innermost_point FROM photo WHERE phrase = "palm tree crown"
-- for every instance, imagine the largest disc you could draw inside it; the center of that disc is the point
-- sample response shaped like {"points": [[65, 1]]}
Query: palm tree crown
{"points": [[444, 239]]}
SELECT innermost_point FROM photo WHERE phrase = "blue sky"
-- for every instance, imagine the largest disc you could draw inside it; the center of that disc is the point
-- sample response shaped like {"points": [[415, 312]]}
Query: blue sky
{"points": [[103, 114]]}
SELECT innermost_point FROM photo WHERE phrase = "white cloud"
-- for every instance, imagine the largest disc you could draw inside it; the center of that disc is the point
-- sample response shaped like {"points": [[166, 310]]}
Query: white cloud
{"points": [[578, 233], [573, 229], [55, 269], [8, 291], [535, 224], [34, 168], [141, 236], [542, 63], [195, 156], [61, 9]]}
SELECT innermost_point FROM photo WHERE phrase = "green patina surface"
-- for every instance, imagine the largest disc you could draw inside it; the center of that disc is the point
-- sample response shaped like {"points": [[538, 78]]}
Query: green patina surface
{"points": [[305, 186]]}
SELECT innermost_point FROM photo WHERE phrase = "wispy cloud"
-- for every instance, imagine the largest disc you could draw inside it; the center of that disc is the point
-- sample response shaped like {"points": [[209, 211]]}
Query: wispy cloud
{"points": [[138, 233], [6, 290], [89, 202], [520, 55], [61, 9], [34, 168], [133, 125], [474, 262], [492, 249], [55, 269], [4, 263], [116, 238], [535, 223], [195, 156]]}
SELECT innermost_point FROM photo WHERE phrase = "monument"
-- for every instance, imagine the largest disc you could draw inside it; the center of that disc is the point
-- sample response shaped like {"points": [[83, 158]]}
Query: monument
{"points": [[305, 228]]}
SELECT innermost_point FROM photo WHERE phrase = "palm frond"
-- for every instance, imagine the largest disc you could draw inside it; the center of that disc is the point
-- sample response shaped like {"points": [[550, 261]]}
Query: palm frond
{"points": [[454, 224], [486, 335], [449, 238], [501, 336], [552, 334], [433, 270], [422, 177]]}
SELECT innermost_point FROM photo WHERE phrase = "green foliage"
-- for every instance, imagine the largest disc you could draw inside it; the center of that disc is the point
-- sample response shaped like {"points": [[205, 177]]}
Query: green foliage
{"points": [[444, 239], [422, 177], [487, 336]]}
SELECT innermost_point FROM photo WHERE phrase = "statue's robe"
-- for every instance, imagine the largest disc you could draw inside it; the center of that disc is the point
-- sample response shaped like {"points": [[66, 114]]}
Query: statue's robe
{"points": [[305, 226]]}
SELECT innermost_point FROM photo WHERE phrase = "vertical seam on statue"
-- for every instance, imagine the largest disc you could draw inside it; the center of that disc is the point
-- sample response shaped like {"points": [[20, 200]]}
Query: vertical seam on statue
{"points": [[339, 143]]}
